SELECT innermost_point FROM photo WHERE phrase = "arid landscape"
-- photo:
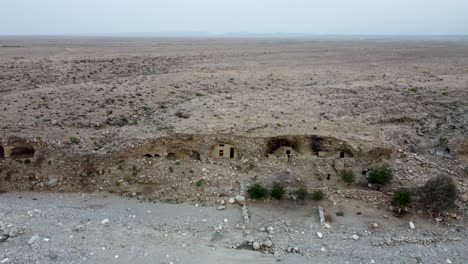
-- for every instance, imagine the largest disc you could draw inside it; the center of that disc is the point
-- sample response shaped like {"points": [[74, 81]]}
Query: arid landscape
{"points": [[115, 150]]}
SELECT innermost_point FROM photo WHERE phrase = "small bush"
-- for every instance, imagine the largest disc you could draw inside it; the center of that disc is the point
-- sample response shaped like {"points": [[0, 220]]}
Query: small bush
{"points": [[200, 182], [277, 192], [381, 175], [402, 198], [134, 171], [302, 193], [347, 176], [440, 192], [339, 213], [257, 191], [74, 140], [317, 195]]}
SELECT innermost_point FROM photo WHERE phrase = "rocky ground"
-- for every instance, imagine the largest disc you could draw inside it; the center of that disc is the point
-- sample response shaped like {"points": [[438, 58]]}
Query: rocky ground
{"points": [[102, 228], [103, 96]]}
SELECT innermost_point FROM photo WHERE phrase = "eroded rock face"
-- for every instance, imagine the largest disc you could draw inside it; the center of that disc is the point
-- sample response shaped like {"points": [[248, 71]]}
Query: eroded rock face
{"points": [[156, 166]]}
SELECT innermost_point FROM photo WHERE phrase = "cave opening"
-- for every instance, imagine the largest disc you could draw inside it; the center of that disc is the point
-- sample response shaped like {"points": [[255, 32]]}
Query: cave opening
{"points": [[25, 152]]}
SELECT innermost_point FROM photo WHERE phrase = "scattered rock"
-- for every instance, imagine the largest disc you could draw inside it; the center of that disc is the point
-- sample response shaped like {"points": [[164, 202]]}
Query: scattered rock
{"points": [[256, 245], [232, 200], [105, 222], [33, 239], [79, 228], [221, 207], [51, 182], [319, 234], [355, 237], [182, 113], [13, 232], [411, 225], [240, 199], [268, 243]]}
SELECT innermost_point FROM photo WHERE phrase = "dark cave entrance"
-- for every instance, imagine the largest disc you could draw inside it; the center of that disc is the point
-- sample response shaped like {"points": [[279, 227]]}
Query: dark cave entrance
{"points": [[22, 153]]}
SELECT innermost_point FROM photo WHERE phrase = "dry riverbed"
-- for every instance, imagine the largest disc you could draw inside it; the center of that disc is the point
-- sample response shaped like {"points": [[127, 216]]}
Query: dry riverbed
{"points": [[72, 228]]}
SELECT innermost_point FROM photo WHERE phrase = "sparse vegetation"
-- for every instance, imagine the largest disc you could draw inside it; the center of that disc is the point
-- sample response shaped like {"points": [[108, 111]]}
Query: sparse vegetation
{"points": [[200, 182], [134, 171], [302, 193], [123, 121], [340, 213], [199, 94], [402, 198], [317, 195], [440, 192], [74, 140], [277, 192], [347, 176], [257, 191], [380, 175]]}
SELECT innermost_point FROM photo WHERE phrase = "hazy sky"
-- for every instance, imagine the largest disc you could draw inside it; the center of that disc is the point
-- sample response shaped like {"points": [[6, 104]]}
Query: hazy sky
{"points": [[408, 17]]}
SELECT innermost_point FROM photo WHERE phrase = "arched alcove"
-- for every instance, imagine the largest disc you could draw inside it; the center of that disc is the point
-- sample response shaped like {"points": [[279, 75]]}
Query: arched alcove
{"points": [[23, 152]]}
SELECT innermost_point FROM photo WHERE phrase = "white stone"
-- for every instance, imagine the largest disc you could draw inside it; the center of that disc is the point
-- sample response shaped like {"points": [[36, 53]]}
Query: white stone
{"points": [[33, 239], [51, 182], [5, 260], [222, 202], [256, 245], [240, 199], [411, 225], [375, 225], [225, 220], [323, 249], [232, 200], [105, 222], [319, 234], [449, 261], [327, 226], [268, 243], [221, 207], [355, 237]]}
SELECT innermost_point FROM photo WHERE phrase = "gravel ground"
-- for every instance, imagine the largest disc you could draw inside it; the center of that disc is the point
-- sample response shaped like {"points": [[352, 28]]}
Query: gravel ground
{"points": [[70, 229]]}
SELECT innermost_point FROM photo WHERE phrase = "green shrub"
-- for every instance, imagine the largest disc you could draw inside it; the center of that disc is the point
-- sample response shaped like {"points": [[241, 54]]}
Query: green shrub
{"points": [[380, 175], [317, 195], [302, 193], [402, 198], [200, 182], [339, 213], [347, 176], [74, 140], [257, 191], [277, 192], [134, 171], [440, 192]]}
